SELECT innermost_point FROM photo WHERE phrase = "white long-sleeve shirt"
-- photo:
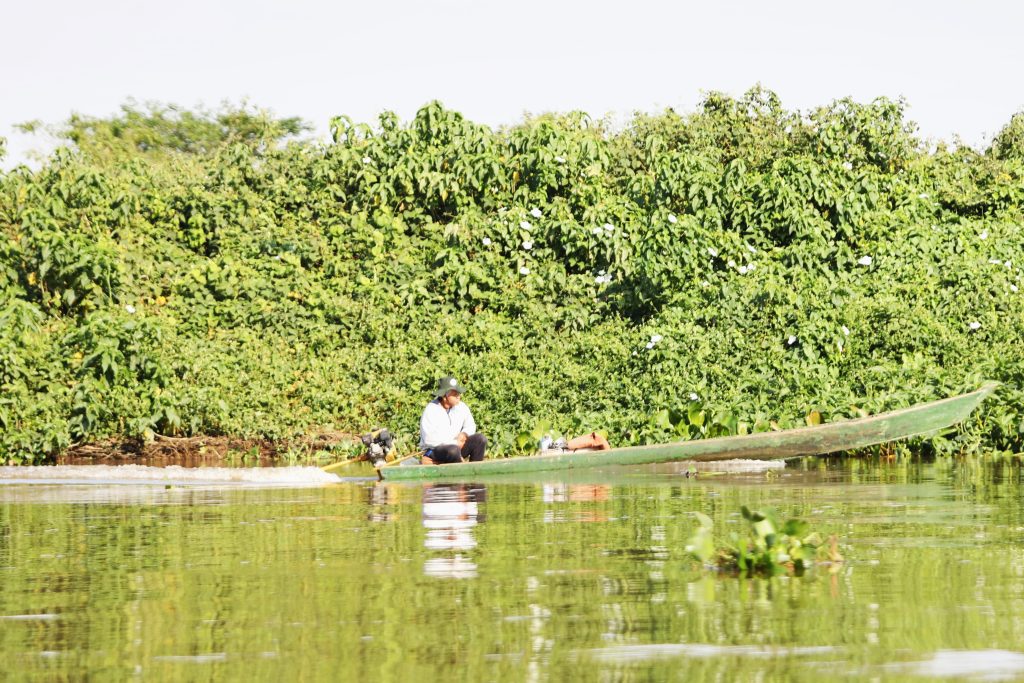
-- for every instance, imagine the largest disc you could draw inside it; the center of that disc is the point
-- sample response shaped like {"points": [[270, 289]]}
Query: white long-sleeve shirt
{"points": [[439, 426]]}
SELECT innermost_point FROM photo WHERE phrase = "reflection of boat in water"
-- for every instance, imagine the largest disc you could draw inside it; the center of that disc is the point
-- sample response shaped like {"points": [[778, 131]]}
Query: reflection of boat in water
{"points": [[576, 493], [450, 511], [916, 420]]}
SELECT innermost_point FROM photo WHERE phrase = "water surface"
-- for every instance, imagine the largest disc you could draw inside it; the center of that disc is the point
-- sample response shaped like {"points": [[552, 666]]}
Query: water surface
{"points": [[265, 577]]}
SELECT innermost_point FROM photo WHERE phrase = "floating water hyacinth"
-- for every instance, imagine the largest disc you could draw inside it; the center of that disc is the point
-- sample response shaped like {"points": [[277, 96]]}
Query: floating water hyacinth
{"points": [[791, 340], [486, 241], [672, 218], [712, 251], [525, 225], [535, 212], [864, 261], [129, 308], [974, 325], [524, 270], [527, 245]]}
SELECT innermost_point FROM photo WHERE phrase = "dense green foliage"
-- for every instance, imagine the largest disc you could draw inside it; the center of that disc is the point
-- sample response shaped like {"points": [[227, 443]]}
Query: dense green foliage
{"points": [[724, 271]]}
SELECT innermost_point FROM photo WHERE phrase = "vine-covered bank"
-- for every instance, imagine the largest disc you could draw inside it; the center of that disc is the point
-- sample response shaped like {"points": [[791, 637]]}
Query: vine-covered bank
{"points": [[739, 268]]}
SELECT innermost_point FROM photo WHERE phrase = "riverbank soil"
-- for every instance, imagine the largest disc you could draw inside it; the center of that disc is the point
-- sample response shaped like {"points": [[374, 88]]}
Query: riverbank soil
{"points": [[200, 451]]}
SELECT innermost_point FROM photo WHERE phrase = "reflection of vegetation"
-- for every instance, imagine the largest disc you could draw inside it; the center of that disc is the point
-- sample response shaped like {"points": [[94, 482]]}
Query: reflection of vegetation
{"points": [[738, 269], [768, 548], [143, 576]]}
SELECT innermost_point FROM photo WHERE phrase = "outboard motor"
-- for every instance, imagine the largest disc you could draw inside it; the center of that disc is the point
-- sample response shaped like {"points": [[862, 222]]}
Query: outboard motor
{"points": [[379, 445]]}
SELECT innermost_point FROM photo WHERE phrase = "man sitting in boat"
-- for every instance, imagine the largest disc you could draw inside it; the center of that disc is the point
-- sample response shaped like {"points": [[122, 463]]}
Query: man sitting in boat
{"points": [[447, 429]]}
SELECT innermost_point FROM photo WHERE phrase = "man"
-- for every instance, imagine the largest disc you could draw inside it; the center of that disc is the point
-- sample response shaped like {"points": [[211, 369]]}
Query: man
{"points": [[447, 430]]}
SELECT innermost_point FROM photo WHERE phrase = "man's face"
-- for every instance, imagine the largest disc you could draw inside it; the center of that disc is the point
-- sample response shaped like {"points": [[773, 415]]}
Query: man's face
{"points": [[452, 398]]}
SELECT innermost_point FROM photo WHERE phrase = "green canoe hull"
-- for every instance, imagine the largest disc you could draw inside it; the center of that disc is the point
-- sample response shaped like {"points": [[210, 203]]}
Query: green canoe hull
{"points": [[827, 438]]}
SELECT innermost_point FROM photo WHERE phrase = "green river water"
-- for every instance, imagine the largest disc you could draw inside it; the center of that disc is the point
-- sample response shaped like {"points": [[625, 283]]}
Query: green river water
{"points": [[528, 580]]}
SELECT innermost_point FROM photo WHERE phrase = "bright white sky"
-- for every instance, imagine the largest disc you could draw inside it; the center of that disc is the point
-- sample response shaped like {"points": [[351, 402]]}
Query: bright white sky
{"points": [[958, 63]]}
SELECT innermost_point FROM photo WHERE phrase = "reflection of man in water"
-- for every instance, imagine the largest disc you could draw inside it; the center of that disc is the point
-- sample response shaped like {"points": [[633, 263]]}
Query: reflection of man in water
{"points": [[447, 429], [450, 512]]}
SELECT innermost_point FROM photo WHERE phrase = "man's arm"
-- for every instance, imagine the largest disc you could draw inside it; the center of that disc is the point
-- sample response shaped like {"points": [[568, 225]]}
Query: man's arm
{"points": [[469, 424]]}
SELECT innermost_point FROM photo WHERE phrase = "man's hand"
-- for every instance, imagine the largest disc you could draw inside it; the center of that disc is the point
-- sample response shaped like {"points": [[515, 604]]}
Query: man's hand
{"points": [[460, 440]]}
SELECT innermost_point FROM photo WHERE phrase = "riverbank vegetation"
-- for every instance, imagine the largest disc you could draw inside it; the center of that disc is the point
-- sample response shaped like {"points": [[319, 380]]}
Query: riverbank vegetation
{"points": [[739, 268]]}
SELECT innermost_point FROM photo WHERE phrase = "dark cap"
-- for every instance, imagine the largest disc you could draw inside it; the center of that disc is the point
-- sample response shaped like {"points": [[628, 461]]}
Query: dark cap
{"points": [[446, 384]]}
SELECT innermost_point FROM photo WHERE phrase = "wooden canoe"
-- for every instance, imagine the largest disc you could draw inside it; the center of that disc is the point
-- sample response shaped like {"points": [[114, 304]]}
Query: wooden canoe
{"points": [[827, 438]]}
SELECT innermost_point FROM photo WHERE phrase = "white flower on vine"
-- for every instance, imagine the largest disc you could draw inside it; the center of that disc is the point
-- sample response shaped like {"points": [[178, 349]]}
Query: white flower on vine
{"points": [[984, 234], [655, 338], [596, 230], [995, 262], [560, 160], [367, 160], [694, 396], [974, 325], [524, 271], [731, 263], [923, 195], [527, 245], [846, 330], [847, 165], [487, 241], [1013, 288], [743, 270], [650, 345], [712, 251], [791, 340], [864, 261], [751, 249], [750, 267], [525, 225], [672, 218], [608, 227], [535, 212], [130, 308], [787, 130]]}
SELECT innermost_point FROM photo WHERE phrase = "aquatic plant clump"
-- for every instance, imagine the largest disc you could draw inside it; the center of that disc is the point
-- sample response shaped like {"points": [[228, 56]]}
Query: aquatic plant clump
{"points": [[737, 269], [766, 549]]}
